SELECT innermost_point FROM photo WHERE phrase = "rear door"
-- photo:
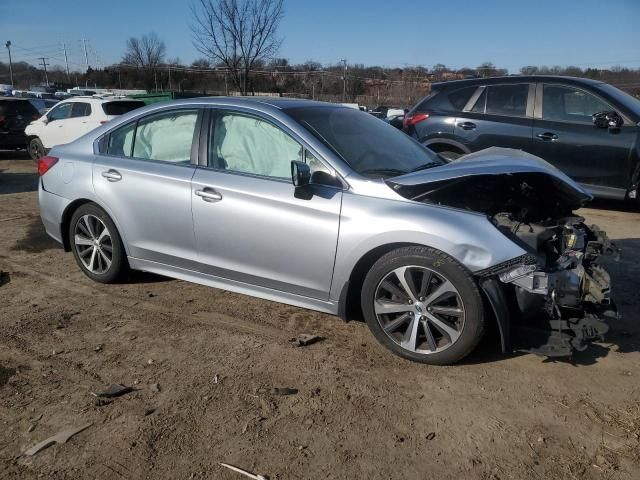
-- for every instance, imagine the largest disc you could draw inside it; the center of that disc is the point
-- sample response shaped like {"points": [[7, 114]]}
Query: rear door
{"points": [[565, 136], [143, 178], [250, 224], [497, 116]]}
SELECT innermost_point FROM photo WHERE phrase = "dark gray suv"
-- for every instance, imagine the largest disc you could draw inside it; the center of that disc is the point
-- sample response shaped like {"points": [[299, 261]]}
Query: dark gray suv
{"points": [[586, 128]]}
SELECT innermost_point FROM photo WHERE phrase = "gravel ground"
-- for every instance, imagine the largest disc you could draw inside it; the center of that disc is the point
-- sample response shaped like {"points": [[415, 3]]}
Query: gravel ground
{"points": [[204, 364]]}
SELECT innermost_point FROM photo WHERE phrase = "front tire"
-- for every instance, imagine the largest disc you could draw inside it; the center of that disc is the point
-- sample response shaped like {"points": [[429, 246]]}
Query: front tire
{"points": [[423, 305], [36, 149], [96, 244]]}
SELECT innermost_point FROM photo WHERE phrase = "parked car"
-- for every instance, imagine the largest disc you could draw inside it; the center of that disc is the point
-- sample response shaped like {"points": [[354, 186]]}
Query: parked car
{"points": [[15, 115], [72, 118], [43, 105], [588, 129], [326, 207]]}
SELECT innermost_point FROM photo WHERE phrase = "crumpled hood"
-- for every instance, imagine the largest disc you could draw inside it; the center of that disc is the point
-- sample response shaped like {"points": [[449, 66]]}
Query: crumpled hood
{"points": [[494, 180]]}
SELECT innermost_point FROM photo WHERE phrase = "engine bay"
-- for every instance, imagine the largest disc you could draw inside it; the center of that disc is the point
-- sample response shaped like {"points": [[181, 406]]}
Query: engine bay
{"points": [[561, 297]]}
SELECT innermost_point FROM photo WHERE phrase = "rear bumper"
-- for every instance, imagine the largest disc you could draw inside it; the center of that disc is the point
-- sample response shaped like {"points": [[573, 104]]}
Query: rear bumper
{"points": [[52, 208]]}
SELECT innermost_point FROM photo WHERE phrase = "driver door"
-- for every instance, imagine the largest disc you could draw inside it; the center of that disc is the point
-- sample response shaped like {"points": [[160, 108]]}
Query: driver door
{"points": [[249, 224], [564, 135]]}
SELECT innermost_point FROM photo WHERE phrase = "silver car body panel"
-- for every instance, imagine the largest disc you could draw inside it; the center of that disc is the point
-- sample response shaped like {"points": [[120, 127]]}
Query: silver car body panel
{"points": [[260, 239]]}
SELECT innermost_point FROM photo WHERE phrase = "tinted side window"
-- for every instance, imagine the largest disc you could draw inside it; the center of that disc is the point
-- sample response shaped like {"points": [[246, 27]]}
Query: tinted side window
{"points": [[59, 112], [569, 104], [121, 107], [459, 98], [247, 144], [80, 109], [167, 136], [425, 101], [121, 140], [478, 107], [507, 100]]}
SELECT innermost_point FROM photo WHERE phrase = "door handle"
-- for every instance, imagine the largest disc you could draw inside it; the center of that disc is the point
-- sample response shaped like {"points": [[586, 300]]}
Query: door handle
{"points": [[112, 175], [547, 136], [209, 195], [467, 125]]}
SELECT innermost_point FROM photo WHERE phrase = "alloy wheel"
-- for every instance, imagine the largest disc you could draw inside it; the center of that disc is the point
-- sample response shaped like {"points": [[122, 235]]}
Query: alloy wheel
{"points": [[419, 309], [93, 243]]}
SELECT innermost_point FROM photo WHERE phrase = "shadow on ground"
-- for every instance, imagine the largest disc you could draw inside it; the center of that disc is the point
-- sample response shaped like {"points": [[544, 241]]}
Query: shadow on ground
{"points": [[17, 182], [36, 239]]}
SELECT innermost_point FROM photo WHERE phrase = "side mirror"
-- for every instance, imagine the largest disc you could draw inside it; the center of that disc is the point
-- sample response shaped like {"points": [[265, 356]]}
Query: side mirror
{"points": [[610, 120], [300, 174], [45, 120]]}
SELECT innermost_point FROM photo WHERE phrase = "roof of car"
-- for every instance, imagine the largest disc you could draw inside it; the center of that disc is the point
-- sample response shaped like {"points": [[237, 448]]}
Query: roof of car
{"points": [[519, 79], [277, 102]]}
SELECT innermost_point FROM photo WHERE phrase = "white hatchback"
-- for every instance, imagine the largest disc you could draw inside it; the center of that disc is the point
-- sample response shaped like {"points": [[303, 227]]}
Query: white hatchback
{"points": [[72, 118]]}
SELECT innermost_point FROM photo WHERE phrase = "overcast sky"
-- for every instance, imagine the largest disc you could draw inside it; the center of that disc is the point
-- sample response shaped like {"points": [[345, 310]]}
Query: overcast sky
{"points": [[511, 34]]}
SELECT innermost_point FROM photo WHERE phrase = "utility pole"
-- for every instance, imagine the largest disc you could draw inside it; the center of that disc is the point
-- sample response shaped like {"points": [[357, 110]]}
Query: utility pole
{"points": [[8, 45], [66, 59], [86, 59], [44, 65], [344, 81]]}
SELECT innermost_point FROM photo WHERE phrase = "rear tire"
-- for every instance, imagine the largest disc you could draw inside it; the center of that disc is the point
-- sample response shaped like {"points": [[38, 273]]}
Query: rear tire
{"points": [[96, 244], [36, 149], [440, 322]]}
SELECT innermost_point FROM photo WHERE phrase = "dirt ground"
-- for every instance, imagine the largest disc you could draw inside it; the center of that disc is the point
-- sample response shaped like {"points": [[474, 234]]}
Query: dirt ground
{"points": [[204, 363]]}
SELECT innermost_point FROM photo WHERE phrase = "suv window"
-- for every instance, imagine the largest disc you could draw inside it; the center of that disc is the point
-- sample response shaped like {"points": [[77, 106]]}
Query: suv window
{"points": [[569, 104], [59, 112], [459, 98], [166, 136], [80, 109], [245, 144], [507, 100], [478, 107], [121, 107]]}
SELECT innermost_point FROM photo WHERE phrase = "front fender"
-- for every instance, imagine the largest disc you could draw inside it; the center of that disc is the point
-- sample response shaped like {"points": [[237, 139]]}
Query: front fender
{"points": [[368, 223]]}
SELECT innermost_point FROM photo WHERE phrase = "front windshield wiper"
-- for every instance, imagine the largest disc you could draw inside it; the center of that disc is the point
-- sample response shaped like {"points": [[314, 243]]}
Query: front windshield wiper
{"points": [[383, 171]]}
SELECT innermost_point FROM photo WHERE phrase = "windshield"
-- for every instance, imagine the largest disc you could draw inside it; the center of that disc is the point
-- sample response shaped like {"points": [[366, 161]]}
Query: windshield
{"points": [[624, 98], [368, 145]]}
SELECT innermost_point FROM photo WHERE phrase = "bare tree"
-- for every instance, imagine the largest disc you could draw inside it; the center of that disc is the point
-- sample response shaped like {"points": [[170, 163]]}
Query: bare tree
{"points": [[145, 52], [237, 33]]}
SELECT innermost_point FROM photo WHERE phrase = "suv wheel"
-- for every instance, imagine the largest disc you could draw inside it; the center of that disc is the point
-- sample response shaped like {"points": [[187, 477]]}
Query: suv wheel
{"points": [[423, 305], [36, 149], [96, 245]]}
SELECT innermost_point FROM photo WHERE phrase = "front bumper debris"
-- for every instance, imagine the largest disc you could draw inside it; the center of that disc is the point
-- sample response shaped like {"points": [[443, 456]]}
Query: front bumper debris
{"points": [[561, 308]]}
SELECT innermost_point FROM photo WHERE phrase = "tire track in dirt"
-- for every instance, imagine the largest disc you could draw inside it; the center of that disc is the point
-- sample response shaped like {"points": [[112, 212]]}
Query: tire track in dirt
{"points": [[108, 298]]}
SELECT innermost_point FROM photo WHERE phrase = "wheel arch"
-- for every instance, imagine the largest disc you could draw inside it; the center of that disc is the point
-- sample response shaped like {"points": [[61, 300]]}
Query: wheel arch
{"points": [[66, 220], [441, 144], [349, 302], [349, 305]]}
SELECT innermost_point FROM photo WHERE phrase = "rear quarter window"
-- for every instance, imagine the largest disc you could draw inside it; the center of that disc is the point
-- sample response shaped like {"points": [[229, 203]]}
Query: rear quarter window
{"points": [[459, 98], [121, 107]]}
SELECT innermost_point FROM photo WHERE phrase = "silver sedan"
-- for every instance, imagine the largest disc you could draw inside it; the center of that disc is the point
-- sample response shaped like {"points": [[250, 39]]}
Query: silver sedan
{"points": [[328, 208]]}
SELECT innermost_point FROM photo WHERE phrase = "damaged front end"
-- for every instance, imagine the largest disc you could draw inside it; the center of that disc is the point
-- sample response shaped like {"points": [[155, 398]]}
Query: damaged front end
{"points": [[556, 298], [559, 297]]}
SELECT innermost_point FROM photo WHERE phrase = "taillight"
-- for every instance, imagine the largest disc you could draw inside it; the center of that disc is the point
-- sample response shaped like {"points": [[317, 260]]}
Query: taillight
{"points": [[2, 119], [45, 163], [412, 119], [35, 116]]}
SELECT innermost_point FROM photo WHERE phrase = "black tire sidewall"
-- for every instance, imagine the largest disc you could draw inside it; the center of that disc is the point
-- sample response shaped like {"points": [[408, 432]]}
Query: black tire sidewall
{"points": [[36, 142], [118, 261], [456, 273]]}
